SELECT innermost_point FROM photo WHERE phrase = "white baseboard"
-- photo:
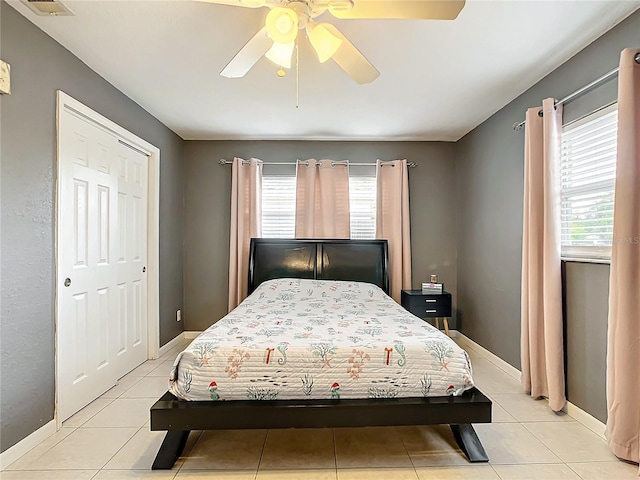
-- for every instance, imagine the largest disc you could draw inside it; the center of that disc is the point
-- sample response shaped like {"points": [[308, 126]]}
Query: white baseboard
{"points": [[170, 344], [586, 419], [23, 446], [190, 335], [497, 361]]}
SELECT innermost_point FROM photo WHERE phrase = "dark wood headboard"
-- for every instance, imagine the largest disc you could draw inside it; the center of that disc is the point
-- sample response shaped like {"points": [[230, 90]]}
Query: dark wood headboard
{"points": [[356, 260]]}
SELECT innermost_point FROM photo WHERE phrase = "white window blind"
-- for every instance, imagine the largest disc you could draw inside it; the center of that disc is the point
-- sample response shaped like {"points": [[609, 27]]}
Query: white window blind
{"points": [[362, 199], [279, 206], [588, 175]]}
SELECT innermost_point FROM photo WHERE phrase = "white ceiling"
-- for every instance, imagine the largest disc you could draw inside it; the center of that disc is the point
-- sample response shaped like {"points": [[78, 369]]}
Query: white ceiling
{"points": [[439, 79]]}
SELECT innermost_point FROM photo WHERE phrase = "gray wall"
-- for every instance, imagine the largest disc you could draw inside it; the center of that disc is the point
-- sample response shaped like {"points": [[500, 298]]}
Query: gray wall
{"points": [[207, 207], [489, 189], [39, 67], [586, 319]]}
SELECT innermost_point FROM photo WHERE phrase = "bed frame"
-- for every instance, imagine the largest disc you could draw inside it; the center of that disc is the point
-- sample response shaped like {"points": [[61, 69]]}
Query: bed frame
{"points": [[358, 260]]}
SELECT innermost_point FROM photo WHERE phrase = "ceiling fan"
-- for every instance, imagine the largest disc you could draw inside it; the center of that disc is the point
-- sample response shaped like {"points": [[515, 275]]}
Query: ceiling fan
{"points": [[277, 39]]}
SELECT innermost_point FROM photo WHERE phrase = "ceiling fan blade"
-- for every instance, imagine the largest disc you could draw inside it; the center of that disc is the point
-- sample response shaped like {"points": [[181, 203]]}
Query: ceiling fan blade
{"points": [[238, 3], [408, 9], [248, 55], [351, 60]]}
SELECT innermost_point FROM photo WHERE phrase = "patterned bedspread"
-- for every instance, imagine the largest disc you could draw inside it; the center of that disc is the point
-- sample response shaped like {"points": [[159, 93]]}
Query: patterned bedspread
{"points": [[299, 339]]}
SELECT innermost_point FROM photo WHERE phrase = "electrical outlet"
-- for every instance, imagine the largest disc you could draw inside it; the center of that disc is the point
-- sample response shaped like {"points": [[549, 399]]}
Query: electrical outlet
{"points": [[5, 78], [178, 315]]}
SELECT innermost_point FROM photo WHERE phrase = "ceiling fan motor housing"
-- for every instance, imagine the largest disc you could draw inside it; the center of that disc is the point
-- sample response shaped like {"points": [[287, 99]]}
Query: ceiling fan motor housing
{"points": [[303, 11], [307, 9]]}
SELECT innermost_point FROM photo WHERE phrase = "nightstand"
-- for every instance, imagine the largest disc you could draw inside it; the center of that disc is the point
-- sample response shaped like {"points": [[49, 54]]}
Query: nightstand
{"points": [[428, 305]]}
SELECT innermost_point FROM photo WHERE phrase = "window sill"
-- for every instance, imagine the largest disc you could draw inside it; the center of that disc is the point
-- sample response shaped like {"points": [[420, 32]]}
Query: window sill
{"points": [[606, 261]]}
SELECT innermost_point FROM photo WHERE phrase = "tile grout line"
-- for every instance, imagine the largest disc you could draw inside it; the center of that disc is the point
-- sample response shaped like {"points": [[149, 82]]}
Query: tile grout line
{"points": [[111, 400], [264, 445], [335, 452], [579, 476], [8, 467], [495, 471], [540, 440], [123, 445], [545, 420], [186, 453], [407, 451], [95, 474], [117, 385]]}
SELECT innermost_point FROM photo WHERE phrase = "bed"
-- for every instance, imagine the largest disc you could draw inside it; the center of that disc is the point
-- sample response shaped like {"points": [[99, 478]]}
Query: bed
{"points": [[318, 343]]}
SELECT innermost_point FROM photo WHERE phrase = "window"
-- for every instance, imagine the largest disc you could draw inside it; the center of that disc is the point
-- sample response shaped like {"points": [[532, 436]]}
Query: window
{"points": [[279, 206], [588, 174], [362, 200]]}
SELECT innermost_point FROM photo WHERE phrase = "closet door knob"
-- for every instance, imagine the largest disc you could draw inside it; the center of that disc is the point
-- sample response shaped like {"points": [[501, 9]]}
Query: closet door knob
{"points": [[67, 282]]}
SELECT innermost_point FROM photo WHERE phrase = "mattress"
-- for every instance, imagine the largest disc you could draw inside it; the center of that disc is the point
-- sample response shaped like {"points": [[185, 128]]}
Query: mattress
{"points": [[319, 339]]}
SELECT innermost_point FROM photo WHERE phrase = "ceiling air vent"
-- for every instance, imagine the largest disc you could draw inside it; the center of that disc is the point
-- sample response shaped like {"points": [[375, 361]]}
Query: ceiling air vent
{"points": [[48, 7]]}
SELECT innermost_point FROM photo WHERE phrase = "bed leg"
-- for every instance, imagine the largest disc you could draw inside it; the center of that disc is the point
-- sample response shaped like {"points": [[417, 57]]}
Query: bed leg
{"points": [[170, 450], [469, 442]]}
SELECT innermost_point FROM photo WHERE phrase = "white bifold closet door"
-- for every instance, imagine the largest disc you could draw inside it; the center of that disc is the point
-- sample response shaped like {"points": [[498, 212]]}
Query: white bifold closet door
{"points": [[102, 254]]}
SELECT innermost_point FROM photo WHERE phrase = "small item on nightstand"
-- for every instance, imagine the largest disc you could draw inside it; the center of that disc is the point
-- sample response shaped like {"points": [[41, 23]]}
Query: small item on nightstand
{"points": [[436, 288], [434, 279]]}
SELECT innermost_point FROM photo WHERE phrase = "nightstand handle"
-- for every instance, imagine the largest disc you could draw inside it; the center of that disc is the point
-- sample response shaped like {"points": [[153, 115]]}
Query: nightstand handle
{"points": [[431, 311], [430, 300]]}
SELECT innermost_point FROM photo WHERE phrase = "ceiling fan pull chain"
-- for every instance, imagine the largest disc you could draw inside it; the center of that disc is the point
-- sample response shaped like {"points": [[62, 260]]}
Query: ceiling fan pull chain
{"points": [[297, 73]]}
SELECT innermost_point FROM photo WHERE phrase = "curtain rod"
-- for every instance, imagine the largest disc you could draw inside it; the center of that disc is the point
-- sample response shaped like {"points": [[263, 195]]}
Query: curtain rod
{"points": [[581, 91], [336, 162]]}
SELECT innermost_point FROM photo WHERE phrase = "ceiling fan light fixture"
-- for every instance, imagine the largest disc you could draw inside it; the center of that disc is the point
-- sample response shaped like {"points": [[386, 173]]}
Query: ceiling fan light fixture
{"points": [[282, 25], [281, 53], [323, 41]]}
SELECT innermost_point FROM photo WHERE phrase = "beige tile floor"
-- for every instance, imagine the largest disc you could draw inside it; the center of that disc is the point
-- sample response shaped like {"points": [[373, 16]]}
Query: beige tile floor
{"points": [[110, 440]]}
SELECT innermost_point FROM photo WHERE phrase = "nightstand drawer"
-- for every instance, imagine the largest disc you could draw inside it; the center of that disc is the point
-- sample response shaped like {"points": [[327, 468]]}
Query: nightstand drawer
{"points": [[430, 310], [427, 305], [427, 300]]}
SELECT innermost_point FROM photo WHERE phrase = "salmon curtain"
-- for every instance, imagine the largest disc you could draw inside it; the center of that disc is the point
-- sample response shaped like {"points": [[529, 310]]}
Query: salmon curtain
{"points": [[542, 353], [246, 222], [322, 199], [393, 221], [623, 350]]}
